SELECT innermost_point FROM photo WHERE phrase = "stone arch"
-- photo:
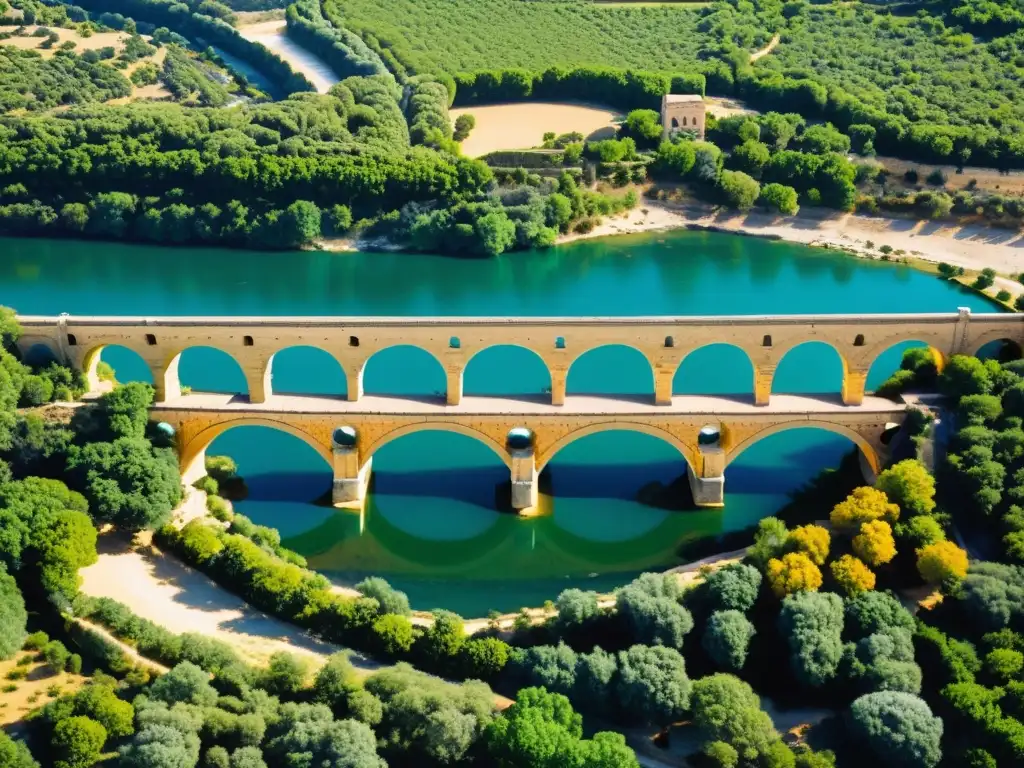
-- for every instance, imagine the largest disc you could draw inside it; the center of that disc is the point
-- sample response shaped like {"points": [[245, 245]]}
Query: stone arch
{"points": [[368, 451], [170, 376], [191, 455], [877, 375], [282, 357], [984, 339], [868, 355], [809, 344], [548, 452], [91, 360], [648, 388], [39, 353], [508, 376], [868, 451], [427, 360], [678, 387]]}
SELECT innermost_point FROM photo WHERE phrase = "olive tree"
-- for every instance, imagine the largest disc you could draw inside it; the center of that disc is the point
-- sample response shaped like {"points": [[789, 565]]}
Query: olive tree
{"points": [[812, 624], [727, 638], [652, 685]]}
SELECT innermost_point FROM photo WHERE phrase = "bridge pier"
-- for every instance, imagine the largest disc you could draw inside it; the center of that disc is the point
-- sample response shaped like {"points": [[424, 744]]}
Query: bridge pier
{"points": [[559, 376], [524, 480], [708, 487], [351, 481], [763, 376]]}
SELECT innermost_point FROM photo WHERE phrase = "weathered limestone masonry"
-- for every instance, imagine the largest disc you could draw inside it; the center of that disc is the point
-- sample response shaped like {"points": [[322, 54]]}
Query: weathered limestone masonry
{"points": [[664, 341]]}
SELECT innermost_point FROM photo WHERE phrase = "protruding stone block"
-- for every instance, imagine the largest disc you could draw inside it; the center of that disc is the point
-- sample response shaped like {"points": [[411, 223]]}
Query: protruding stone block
{"points": [[524, 471], [707, 491]]}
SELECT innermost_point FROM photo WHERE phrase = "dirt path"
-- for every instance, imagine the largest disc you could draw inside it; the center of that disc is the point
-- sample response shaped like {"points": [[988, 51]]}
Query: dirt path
{"points": [[167, 592], [766, 50], [129, 651]]}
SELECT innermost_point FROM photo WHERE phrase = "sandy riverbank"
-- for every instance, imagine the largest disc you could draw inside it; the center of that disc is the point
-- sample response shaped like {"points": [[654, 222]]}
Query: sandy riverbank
{"points": [[973, 247]]}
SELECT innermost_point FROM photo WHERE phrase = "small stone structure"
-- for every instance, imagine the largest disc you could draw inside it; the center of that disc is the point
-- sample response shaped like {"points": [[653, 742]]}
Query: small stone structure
{"points": [[682, 112]]}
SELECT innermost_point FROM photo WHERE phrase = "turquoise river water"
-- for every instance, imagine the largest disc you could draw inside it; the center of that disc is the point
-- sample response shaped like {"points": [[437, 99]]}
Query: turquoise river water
{"points": [[430, 526]]}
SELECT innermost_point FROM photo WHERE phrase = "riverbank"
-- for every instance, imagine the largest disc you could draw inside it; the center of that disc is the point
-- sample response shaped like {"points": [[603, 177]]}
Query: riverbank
{"points": [[971, 246]]}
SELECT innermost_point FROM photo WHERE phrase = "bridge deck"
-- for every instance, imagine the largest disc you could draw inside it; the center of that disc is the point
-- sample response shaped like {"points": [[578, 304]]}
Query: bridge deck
{"points": [[575, 405]]}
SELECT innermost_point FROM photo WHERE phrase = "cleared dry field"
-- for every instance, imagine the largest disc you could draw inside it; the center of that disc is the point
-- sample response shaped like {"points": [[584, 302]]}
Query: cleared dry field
{"points": [[522, 126], [31, 692], [98, 40], [272, 34]]}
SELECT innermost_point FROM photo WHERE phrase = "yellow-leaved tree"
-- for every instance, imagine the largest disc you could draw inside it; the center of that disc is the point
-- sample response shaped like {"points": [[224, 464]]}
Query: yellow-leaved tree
{"points": [[795, 572], [910, 486], [875, 544], [812, 540], [940, 561], [852, 575], [864, 505]]}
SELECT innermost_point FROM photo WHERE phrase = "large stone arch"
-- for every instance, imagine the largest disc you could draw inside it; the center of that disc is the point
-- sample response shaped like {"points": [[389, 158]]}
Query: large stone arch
{"points": [[367, 451], [936, 355], [868, 450], [611, 345], [169, 380], [535, 353], [361, 384], [844, 363], [268, 373], [191, 453], [937, 342], [545, 453], [979, 341], [704, 347]]}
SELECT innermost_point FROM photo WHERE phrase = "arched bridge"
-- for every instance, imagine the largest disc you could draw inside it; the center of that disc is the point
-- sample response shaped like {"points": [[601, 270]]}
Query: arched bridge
{"points": [[664, 341], [558, 341]]}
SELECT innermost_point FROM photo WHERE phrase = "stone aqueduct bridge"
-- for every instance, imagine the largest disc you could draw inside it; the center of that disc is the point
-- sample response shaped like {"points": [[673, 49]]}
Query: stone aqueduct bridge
{"points": [[664, 341]]}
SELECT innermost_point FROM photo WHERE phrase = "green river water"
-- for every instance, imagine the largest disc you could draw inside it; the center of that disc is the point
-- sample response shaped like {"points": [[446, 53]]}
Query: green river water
{"points": [[430, 526]]}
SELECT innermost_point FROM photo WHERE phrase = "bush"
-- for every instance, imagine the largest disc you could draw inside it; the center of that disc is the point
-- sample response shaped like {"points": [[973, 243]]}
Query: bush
{"points": [[812, 540], [286, 674], [733, 587], [727, 638], [77, 742], [393, 634], [13, 618], [391, 600], [941, 561], [812, 625], [781, 198], [898, 729], [908, 485], [56, 655], [864, 505], [795, 572], [852, 575]]}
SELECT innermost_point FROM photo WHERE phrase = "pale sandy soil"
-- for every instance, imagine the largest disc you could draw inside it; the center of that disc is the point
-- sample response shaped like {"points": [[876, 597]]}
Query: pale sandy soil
{"points": [[167, 592], [722, 106], [989, 179], [272, 35], [98, 40], [522, 126], [31, 692], [646, 217]]}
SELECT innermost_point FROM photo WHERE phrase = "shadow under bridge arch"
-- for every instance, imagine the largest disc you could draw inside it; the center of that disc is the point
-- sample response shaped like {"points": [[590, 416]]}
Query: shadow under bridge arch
{"points": [[192, 449], [870, 450], [493, 441], [546, 451]]}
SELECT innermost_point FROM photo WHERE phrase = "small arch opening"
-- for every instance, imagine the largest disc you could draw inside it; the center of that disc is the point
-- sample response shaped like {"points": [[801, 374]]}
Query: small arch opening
{"points": [[675, 123], [858, 340], [684, 121], [247, 341], [1003, 350], [766, 341], [151, 339], [670, 342], [353, 341], [559, 342], [72, 341], [454, 343]]}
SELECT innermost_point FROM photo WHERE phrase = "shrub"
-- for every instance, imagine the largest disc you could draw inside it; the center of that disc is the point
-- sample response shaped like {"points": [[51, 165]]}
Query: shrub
{"points": [[812, 625], [13, 618], [941, 561], [898, 728], [652, 685], [908, 485], [652, 612], [812, 540], [781, 198], [852, 575], [77, 742], [864, 504], [727, 637], [875, 544], [733, 587], [286, 674], [726, 710], [795, 572], [56, 655], [390, 599], [393, 634]]}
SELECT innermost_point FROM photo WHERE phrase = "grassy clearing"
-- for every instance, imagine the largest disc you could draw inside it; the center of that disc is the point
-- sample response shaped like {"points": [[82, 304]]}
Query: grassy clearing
{"points": [[31, 692]]}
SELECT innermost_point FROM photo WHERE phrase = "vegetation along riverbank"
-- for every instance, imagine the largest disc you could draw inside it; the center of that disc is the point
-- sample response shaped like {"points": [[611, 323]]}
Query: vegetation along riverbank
{"points": [[885, 619]]}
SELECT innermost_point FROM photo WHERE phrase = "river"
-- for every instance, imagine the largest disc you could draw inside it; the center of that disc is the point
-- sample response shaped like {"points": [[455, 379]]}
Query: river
{"points": [[430, 526]]}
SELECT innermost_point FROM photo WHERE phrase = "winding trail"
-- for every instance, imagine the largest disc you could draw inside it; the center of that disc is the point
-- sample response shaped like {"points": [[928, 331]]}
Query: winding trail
{"points": [[766, 50]]}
